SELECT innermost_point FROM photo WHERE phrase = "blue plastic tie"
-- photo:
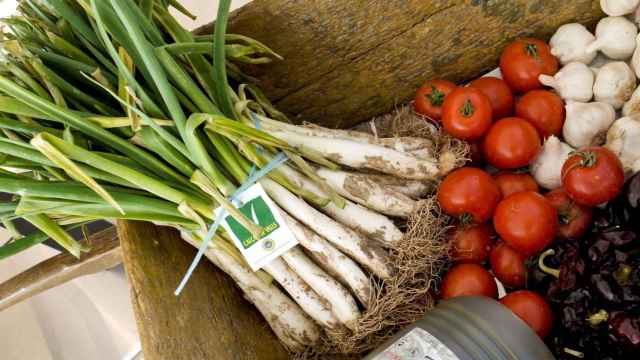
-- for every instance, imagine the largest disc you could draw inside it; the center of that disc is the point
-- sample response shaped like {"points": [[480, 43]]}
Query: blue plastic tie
{"points": [[254, 176]]}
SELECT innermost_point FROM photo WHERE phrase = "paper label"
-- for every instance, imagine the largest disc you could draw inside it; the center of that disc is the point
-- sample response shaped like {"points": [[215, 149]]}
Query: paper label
{"points": [[417, 344], [276, 237]]}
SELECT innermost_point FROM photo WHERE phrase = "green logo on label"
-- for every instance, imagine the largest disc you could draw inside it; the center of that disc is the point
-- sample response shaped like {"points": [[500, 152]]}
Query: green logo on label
{"points": [[257, 211]]}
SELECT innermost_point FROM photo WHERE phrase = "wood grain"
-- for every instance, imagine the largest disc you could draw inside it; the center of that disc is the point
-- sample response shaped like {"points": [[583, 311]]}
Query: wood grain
{"points": [[209, 320], [105, 253], [348, 60]]}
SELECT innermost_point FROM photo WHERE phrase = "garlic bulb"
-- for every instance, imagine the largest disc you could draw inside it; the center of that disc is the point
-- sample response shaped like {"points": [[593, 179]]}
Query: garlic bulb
{"points": [[587, 123], [573, 82], [635, 58], [623, 138], [547, 167], [632, 106], [618, 7], [615, 37], [614, 84], [569, 42]]}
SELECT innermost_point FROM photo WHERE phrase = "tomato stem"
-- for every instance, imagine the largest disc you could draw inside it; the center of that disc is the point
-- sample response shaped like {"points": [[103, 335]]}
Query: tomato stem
{"points": [[544, 268], [436, 98], [467, 109], [531, 50]]}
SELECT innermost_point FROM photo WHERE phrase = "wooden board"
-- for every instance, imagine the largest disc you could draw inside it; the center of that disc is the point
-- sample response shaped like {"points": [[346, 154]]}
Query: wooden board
{"points": [[209, 320], [348, 60], [105, 253]]}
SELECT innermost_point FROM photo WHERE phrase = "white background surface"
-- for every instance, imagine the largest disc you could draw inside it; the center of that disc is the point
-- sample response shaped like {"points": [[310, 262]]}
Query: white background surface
{"points": [[89, 318]]}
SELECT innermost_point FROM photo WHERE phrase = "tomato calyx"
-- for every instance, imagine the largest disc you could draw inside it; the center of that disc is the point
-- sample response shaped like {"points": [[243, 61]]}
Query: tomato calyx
{"points": [[465, 219], [436, 98], [544, 268], [467, 109], [587, 158], [531, 50]]}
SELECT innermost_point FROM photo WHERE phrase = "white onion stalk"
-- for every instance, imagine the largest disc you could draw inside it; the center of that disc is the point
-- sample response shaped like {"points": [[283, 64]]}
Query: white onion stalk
{"points": [[402, 144], [364, 191], [340, 301], [363, 156], [292, 326], [368, 254], [412, 188], [315, 306], [332, 260], [359, 218]]}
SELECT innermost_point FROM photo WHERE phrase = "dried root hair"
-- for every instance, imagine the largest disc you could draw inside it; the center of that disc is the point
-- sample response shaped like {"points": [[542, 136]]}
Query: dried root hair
{"points": [[420, 257]]}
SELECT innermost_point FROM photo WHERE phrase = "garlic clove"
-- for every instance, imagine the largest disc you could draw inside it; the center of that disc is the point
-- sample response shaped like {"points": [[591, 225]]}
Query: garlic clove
{"points": [[614, 84], [615, 37], [547, 167], [586, 124], [569, 44], [573, 82], [619, 7]]}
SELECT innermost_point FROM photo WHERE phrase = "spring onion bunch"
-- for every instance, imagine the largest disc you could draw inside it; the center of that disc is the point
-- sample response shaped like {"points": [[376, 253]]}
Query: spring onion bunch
{"points": [[109, 109]]}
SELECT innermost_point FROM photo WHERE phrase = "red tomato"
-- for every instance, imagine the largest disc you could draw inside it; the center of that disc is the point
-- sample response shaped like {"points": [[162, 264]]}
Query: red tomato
{"points": [[430, 96], [511, 183], [573, 219], [471, 244], [468, 280], [592, 176], [466, 113], [499, 94], [469, 193], [523, 61], [544, 110], [526, 221], [511, 143], [508, 265], [532, 309]]}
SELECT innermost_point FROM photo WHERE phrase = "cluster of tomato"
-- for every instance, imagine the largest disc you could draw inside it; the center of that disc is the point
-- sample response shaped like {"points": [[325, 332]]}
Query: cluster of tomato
{"points": [[506, 120]]}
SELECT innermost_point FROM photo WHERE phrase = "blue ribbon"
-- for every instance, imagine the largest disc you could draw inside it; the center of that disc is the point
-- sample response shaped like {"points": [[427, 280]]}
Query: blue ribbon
{"points": [[254, 176]]}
